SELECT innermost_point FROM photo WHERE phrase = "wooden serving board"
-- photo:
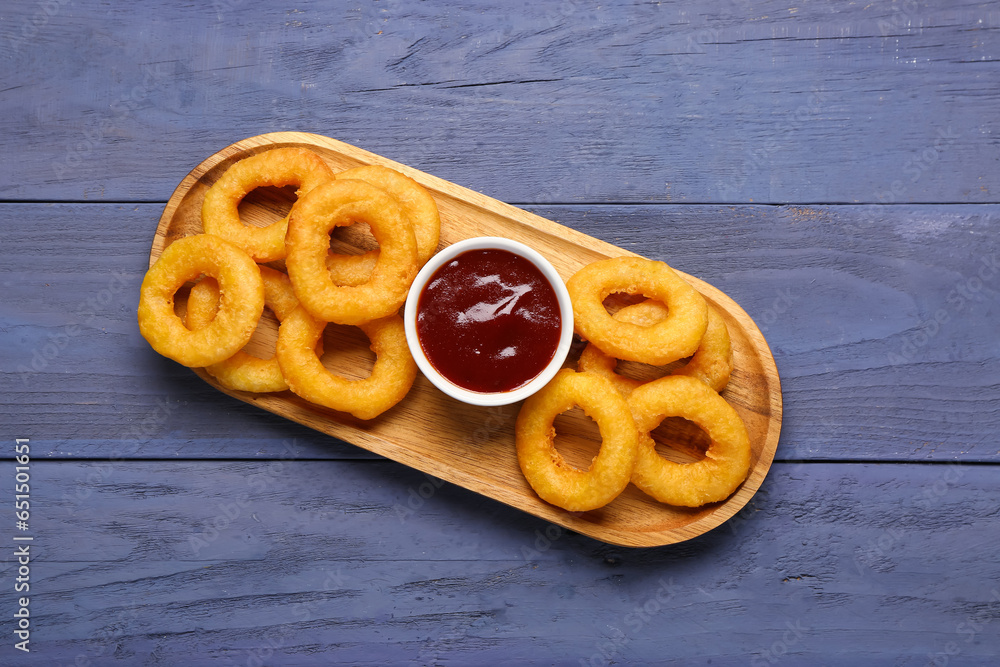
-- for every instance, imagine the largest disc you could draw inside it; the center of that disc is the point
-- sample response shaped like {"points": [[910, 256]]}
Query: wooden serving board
{"points": [[473, 446]]}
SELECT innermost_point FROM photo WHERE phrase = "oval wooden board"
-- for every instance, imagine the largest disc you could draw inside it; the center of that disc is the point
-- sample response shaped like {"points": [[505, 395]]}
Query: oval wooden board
{"points": [[470, 446]]}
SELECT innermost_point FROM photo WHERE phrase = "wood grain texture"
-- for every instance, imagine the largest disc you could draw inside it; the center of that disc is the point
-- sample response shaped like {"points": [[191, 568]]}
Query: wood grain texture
{"points": [[575, 101], [847, 297], [473, 446], [317, 563], [618, 119]]}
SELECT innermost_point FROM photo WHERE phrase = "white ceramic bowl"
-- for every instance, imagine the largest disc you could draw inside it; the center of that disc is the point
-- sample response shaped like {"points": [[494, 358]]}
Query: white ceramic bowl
{"points": [[488, 398]]}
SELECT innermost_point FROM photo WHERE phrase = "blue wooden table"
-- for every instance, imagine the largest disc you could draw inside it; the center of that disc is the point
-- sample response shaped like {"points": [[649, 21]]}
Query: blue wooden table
{"points": [[832, 166]]}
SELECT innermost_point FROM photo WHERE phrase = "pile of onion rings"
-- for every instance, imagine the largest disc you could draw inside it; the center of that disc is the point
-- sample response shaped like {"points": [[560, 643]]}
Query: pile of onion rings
{"points": [[712, 362], [237, 270], [674, 322]]}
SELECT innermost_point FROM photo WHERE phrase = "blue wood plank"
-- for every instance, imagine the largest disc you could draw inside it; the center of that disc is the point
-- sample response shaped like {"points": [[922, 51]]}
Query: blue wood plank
{"points": [[335, 563], [529, 102], [882, 320]]}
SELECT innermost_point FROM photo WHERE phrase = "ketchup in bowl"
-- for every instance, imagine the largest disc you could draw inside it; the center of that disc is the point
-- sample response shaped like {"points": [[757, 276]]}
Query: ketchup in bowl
{"points": [[488, 321]]}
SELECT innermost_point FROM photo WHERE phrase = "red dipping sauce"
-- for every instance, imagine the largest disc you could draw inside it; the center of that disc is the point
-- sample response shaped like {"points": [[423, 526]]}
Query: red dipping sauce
{"points": [[488, 320]]}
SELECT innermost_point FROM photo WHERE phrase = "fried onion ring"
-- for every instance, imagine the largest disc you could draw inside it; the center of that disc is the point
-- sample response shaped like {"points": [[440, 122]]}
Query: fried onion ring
{"points": [[390, 379], [338, 203], [712, 363], [418, 207], [243, 371], [277, 167], [552, 478], [242, 300], [726, 462], [675, 337]]}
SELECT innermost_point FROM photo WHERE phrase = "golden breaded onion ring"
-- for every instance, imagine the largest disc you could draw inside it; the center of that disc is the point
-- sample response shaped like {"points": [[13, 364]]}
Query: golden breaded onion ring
{"points": [[675, 337], [712, 363], [391, 377], [338, 203], [277, 167], [242, 300], [554, 480], [726, 462], [419, 208], [243, 371]]}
